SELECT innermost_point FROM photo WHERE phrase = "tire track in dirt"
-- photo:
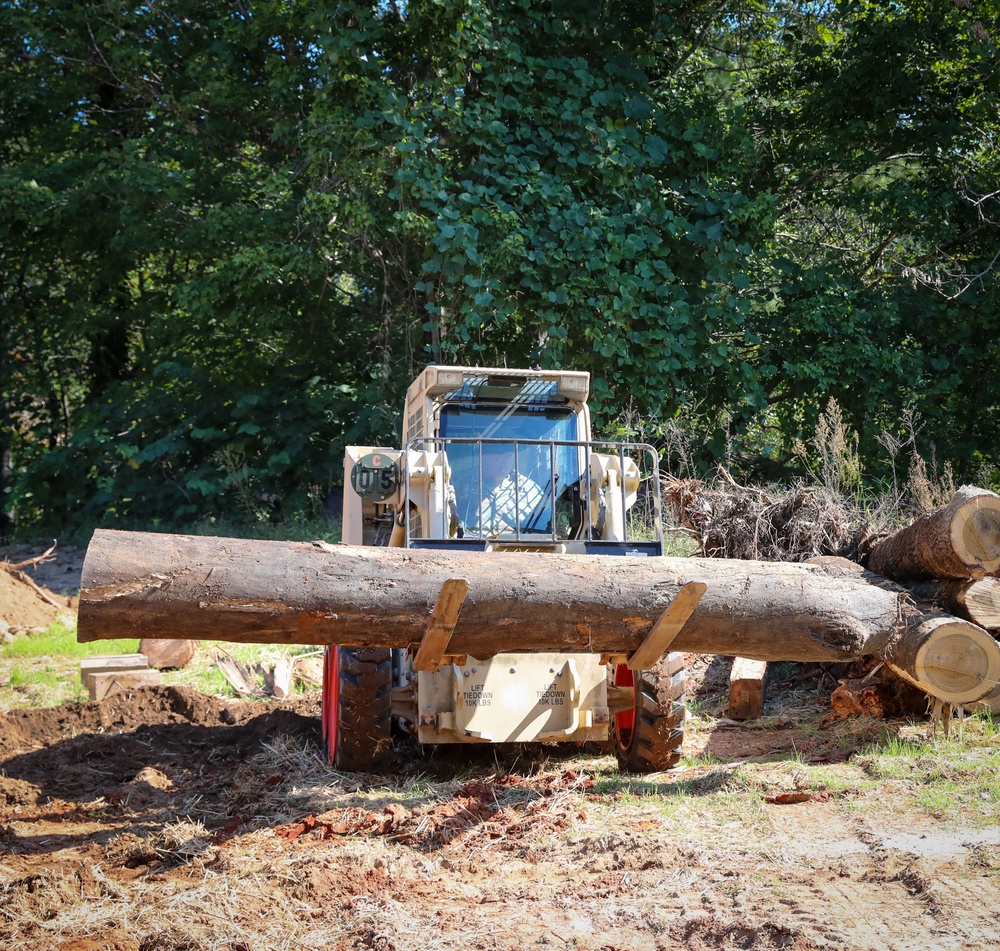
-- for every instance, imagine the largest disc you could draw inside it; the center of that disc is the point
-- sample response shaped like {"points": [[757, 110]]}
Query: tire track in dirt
{"points": [[870, 896]]}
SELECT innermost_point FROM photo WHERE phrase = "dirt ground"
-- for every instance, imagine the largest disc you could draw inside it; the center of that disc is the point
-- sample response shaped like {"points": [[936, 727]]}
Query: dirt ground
{"points": [[33, 596], [166, 820], [59, 572]]}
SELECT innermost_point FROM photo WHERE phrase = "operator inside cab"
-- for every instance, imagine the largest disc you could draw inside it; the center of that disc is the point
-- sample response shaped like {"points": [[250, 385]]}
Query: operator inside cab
{"points": [[510, 497]]}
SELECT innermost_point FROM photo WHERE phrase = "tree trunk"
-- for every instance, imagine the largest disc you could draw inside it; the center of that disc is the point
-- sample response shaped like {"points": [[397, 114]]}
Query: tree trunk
{"points": [[976, 601], [956, 658], [959, 540], [174, 586], [166, 654]]}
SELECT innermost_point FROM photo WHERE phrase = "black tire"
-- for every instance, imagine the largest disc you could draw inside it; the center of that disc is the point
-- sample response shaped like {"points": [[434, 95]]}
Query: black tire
{"points": [[653, 739], [357, 707]]}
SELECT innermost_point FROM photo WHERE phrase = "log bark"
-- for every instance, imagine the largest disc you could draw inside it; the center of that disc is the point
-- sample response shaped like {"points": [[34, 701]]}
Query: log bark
{"points": [[960, 540], [144, 585], [976, 601]]}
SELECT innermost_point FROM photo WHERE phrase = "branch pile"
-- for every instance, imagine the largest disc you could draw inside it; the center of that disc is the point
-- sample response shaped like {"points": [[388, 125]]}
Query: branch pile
{"points": [[729, 520], [948, 560]]}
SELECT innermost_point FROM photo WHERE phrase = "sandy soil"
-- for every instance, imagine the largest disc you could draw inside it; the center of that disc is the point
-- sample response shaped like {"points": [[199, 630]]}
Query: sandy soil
{"points": [[34, 596], [165, 820]]}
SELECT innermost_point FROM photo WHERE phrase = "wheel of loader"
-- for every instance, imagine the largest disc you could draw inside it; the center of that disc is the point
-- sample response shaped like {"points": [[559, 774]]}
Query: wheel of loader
{"points": [[356, 714], [648, 737]]}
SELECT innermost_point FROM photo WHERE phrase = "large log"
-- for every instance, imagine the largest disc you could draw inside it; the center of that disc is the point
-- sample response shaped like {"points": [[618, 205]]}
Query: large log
{"points": [[976, 601], [944, 652], [960, 540], [145, 585]]}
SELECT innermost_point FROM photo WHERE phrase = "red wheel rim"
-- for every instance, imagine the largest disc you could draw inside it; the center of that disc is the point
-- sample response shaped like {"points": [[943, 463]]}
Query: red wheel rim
{"points": [[331, 701], [625, 720]]}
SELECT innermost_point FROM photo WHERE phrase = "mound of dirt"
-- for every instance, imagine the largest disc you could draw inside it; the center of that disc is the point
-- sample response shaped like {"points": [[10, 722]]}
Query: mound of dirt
{"points": [[25, 605], [132, 748], [57, 568], [23, 730]]}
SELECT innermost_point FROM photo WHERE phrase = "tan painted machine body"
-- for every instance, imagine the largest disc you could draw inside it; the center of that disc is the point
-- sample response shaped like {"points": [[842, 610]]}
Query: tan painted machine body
{"points": [[563, 493]]}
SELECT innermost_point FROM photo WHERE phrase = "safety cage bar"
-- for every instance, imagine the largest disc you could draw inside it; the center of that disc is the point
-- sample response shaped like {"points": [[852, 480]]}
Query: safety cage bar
{"points": [[559, 512]]}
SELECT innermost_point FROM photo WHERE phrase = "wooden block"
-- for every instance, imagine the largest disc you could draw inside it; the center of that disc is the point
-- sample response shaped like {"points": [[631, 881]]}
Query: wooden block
{"points": [[113, 662], [746, 688], [434, 645], [117, 681], [667, 626], [108, 664]]}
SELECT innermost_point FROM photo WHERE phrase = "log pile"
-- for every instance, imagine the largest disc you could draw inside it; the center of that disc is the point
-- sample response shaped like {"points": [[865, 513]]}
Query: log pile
{"points": [[959, 541], [950, 557], [947, 560]]}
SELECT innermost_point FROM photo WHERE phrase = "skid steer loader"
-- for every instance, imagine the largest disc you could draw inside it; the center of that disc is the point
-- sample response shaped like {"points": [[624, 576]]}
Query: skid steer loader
{"points": [[501, 460]]}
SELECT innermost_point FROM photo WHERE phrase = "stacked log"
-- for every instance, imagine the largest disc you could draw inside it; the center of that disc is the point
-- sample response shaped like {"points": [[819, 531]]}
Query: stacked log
{"points": [[976, 601], [949, 557], [960, 541]]}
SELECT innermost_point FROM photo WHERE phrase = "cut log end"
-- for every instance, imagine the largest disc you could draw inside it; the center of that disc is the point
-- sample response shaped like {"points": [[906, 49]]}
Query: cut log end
{"points": [[952, 660], [975, 533]]}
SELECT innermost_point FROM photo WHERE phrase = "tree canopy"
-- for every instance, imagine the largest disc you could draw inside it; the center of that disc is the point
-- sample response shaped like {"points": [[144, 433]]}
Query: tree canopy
{"points": [[231, 233]]}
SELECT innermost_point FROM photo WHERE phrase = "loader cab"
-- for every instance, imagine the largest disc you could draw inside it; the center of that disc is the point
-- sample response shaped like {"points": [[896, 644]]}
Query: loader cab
{"points": [[513, 468], [514, 445], [504, 459]]}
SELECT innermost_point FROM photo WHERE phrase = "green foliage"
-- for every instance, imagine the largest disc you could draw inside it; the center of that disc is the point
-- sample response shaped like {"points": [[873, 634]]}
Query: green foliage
{"points": [[567, 182], [232, 234], [877, 138], [196, 442]]}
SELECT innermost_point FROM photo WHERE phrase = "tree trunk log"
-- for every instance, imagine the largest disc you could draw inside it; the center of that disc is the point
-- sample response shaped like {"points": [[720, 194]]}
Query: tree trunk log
{"points": [[954, 657], [976, 601], [144, 585], [165, 654], [960, 540]]}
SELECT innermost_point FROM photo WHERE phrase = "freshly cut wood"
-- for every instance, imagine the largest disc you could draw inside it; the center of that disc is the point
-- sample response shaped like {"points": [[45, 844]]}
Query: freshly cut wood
{"points": [[960, 540], [746, 688], [976, 601], [237, 675], [164, 654], [111, 662], [145, 585], [109, 683], [90, 667], [951, 659], [881, 695], [278, 679], [307, 669]]}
